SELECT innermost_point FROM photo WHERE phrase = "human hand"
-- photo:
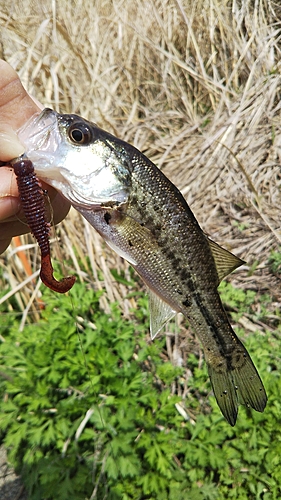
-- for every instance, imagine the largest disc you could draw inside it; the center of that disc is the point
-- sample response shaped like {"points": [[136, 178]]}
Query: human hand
{"points": [[16, 107]]}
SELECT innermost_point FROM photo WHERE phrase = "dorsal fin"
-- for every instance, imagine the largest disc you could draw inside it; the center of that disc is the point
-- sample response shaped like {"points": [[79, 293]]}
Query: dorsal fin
{"points": [[160, 313], [225, 261]]}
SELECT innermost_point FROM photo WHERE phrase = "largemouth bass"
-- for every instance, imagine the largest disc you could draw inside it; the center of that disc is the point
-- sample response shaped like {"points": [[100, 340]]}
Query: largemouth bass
{"points": [[146, 220]]}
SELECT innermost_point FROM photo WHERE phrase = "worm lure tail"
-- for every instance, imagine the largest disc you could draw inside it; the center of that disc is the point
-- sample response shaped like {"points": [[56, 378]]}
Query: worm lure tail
{"points": [[32, 201]]}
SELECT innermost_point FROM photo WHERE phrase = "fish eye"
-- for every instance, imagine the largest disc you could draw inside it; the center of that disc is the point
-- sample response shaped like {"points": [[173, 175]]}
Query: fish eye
{"points": [[79, 133]]}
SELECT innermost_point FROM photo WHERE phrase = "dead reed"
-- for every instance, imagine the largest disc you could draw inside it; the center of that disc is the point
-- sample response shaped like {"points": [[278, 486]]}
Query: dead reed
{"points": [[194, 85]]}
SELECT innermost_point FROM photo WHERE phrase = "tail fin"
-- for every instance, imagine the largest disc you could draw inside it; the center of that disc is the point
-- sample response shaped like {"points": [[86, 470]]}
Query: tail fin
{"points": [[237, 381]]}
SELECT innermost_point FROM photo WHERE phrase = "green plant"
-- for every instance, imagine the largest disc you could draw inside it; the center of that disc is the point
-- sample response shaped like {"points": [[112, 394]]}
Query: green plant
{"points": [[274, 261], [87, 412], [55, 378]]}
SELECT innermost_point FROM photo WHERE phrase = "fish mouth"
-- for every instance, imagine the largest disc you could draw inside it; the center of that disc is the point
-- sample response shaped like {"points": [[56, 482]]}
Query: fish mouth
{"points": [[41, 137], [37, 129]]}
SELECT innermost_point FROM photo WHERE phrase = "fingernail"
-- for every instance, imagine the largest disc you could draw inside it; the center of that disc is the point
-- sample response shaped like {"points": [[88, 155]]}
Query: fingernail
{"points": [[10, 145], [8, 206]]}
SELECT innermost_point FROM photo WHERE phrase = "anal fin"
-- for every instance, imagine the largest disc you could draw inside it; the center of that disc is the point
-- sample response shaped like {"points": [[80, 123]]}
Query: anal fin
{"points": [[160, 313]]}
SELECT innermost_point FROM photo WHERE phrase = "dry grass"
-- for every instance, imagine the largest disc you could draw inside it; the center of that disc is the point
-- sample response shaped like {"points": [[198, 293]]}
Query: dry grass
{"points": [[195, 85]]}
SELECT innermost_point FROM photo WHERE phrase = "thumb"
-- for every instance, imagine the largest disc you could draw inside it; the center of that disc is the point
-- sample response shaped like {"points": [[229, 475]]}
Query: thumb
{"points": [[16, 107]]}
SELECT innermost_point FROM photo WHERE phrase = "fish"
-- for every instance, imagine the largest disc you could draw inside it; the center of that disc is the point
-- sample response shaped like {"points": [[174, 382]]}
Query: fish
{"points": [[143, 217]]}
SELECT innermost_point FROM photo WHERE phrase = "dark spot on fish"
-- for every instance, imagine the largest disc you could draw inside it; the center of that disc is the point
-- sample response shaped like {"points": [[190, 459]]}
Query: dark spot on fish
{"points": [[158, 227], [195, 295], [133, 199], [170, 255], [186, 303], [149, 223], [161, 240], [107, 217], [130, 243], [156, 233], [184, 274]]}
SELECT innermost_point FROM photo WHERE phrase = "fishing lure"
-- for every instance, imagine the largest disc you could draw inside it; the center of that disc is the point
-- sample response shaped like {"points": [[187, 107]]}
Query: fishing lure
{"points": [[32, 201]]}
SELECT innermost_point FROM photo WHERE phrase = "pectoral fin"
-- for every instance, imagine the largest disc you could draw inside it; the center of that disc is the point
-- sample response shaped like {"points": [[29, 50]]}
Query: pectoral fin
{"points": [[225, 261], [160, 313]]}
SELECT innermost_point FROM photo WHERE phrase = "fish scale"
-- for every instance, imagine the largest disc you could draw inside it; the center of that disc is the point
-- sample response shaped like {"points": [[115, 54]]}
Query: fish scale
{"points": [[146, 220]]}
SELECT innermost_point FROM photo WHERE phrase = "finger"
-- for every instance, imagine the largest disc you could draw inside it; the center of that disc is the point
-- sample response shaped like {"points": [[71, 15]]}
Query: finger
{"points": [[16, 226], [16, 107], [4, 245], [8, 182], [10, 146], [10, 201], [12, 228], [8, 208], [60, 207]]}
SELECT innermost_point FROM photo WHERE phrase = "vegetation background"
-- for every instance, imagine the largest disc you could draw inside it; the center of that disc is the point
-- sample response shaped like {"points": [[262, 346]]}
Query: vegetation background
{"points": [[196, 87]]}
